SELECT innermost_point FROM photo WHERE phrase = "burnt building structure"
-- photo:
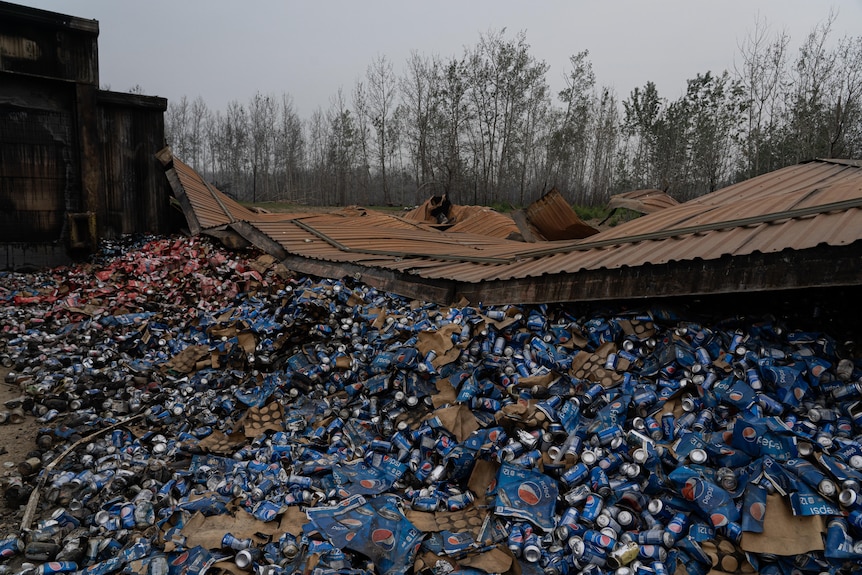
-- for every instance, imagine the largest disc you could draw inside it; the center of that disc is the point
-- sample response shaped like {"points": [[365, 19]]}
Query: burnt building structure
{"points": [[76, 162]]}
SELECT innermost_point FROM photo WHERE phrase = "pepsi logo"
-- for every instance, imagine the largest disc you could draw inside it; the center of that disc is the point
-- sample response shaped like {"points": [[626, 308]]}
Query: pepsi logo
{"points": [[454, 540], [735, 396], [181, 559], [492, 486], [351, 522], [749, 434], [688, 490], [718, 519], [383, 538], [529, 493], [372, 483], [798, 393], [389, 514], [350, 536], [757, 511], [494, 435], [605, 541], [674, 527]]}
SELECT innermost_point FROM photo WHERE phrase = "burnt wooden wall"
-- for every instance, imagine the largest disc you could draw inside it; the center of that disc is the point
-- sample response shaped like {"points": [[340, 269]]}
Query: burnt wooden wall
{"points": [[77, 163]]}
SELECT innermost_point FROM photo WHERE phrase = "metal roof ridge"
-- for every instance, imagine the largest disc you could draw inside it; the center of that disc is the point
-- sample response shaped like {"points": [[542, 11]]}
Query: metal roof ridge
{"points": [[341, 247], [668, 233]]}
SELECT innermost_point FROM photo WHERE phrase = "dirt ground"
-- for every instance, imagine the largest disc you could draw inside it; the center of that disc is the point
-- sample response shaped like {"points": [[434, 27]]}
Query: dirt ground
{"points": [[16, 440]]}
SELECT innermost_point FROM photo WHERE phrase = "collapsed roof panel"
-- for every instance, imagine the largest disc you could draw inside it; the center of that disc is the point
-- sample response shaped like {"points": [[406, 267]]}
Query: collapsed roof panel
{"points": [[642, 201], [758, 237]]}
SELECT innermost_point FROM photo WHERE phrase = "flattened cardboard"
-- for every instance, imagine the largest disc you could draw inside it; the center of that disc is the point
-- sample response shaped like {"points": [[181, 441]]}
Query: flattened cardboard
{"points": [[257, 420], [458, 420], [209, 531], [484, 474], [495, 560], [783, 533], [292, 521]]}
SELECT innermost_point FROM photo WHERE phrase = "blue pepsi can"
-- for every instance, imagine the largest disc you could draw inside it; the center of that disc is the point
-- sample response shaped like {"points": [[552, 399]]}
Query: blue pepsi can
{"points": [[733, 531], [591, 394], [10, 546], [592, 507], [599, 482], [425, 503], [769, 404], [753, 379], [127, 515], [576, 474], [459, 501], [52, 567], [229, 541], [677, 525], [570, 516], [668, 426], [652, 552], [266, 510], [605, 436], [599, 539], [854, 518], [587, 553], [655, 536], [653, 428], [424, 470], [515, 540]]}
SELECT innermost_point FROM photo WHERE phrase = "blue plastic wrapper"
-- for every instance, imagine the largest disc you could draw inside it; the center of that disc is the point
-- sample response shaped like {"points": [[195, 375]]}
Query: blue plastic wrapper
{"points": [[753, 508], [526, 495], [839, 543], [713, 502], [360, 478], [376, 528], [192, 561]]}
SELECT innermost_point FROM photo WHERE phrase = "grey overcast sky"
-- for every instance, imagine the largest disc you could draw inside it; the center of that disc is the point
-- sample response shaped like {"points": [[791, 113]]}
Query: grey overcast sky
{"points": [[228, 50]]}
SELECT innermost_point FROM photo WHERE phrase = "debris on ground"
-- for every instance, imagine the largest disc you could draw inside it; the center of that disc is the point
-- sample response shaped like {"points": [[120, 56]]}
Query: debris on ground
{"points": [[206, 411]]}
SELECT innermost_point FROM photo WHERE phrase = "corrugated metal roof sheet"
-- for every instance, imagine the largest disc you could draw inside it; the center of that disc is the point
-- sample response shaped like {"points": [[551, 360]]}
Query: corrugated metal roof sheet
{"points": [[556, 220], [642, 201], [795, 209]]}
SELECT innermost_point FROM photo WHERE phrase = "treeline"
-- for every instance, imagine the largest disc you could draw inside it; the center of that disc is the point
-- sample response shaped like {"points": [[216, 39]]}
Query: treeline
{"points": [[485, 128]]}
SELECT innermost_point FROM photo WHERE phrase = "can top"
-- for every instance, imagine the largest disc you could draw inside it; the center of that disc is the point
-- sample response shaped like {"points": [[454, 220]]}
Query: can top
{"points": [[698, 456]]}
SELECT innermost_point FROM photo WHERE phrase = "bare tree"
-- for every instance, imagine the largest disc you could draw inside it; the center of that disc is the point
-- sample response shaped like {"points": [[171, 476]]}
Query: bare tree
{"points": [[418, 109], [761, 75], [177, 126], [317, 136], [195, 132], [290, 149], [567, 150], [262, 111], [341, 147], [380, 109]]}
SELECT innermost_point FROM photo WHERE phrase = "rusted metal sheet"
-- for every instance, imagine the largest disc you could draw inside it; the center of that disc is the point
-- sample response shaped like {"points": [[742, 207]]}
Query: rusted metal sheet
{"points": [[766, 239], [439, 213], [642, 201], [555, 219]]}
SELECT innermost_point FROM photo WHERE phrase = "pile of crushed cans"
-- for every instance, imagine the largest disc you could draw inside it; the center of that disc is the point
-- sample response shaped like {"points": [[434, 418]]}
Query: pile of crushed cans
{"points": [[356, 431]]}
